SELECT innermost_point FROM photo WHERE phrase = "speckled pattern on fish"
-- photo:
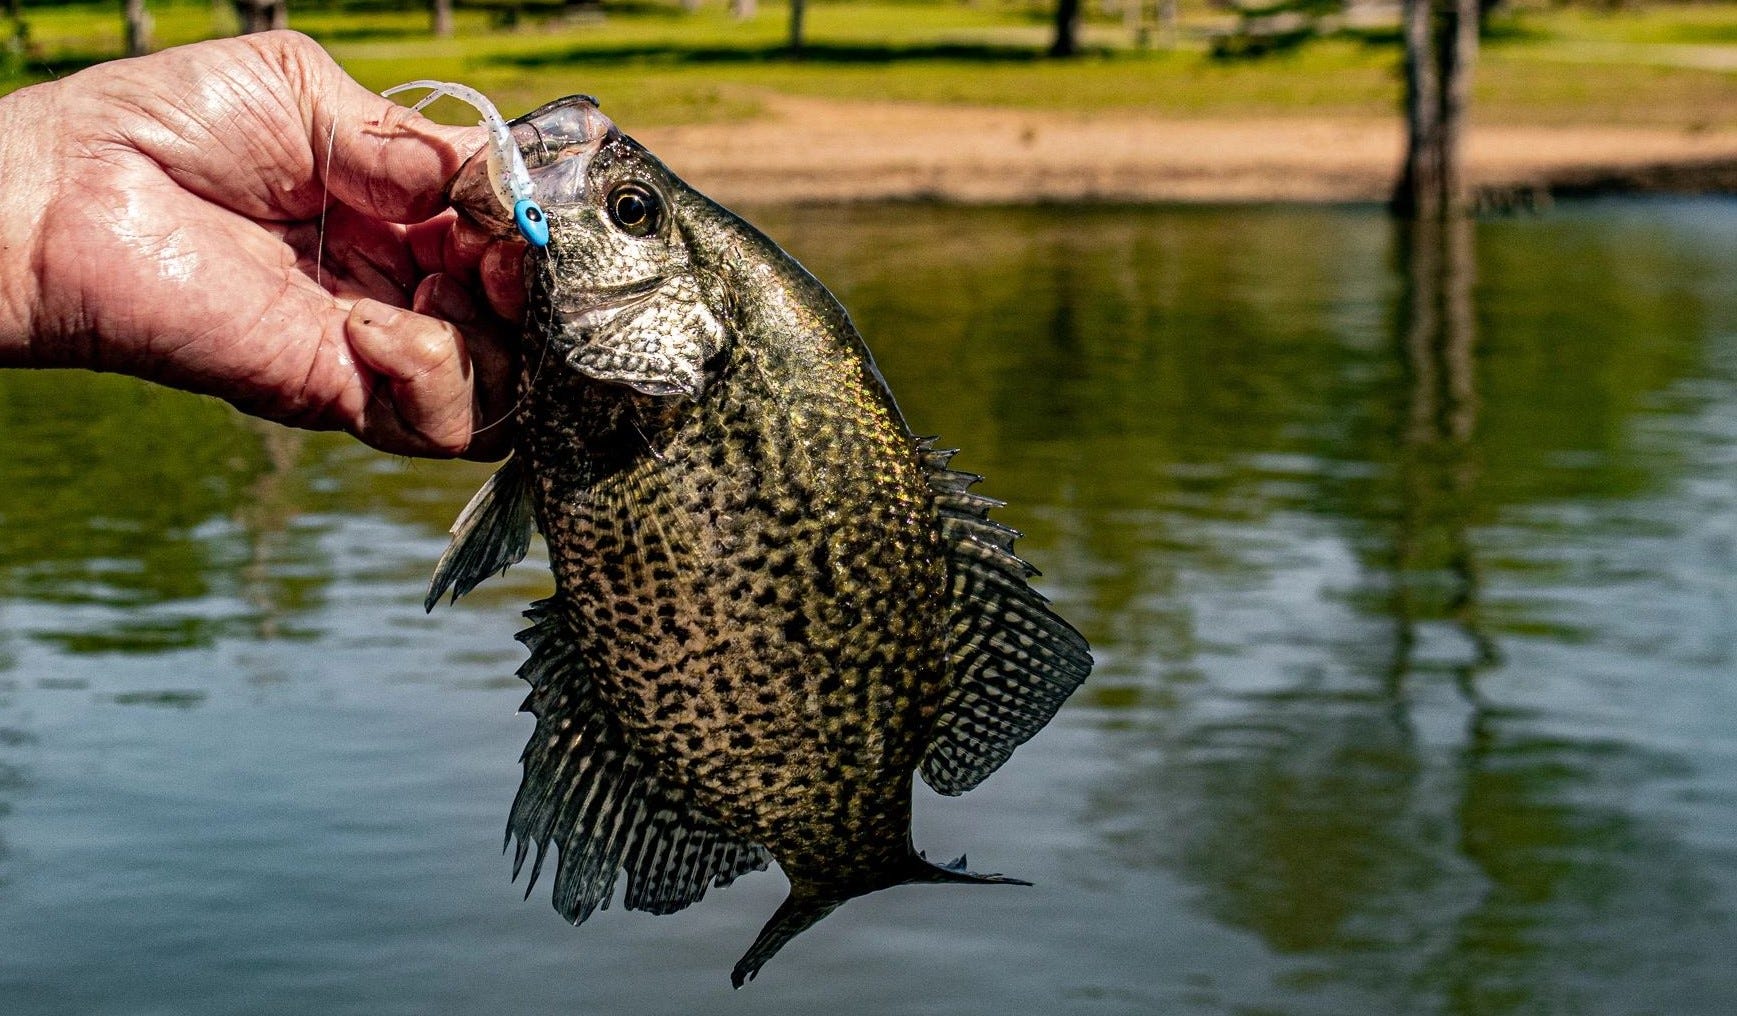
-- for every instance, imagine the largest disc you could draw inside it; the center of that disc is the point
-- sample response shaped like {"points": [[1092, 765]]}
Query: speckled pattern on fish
{"points": [[773, 603]]}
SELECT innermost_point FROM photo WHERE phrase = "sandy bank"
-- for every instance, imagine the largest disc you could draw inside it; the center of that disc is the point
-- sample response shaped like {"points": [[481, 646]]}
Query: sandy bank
{"points": [[825, 150]]}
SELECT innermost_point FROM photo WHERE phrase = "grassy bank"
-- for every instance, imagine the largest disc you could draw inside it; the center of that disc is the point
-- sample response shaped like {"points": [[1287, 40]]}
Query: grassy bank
{"points": [[655, 64]]}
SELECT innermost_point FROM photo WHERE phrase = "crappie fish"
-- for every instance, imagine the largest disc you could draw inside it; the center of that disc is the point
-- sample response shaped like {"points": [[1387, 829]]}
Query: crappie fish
{"points": [[774, 604]]}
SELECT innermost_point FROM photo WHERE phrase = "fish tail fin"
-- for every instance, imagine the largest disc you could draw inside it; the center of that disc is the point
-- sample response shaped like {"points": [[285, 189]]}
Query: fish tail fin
{"points": [[799, 912], [954, 871], [805, 907]]}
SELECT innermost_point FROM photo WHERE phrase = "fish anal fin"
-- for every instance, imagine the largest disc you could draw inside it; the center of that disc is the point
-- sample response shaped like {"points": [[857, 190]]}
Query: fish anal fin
{"points": [[492, 534], [605, 810], [1013, 660]]}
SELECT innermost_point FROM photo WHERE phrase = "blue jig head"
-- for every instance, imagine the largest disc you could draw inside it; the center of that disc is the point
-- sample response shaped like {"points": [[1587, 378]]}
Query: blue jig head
{"points": [[506, 163]]}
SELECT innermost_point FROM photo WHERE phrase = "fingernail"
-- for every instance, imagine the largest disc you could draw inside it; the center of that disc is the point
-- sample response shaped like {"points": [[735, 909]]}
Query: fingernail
{"points": [[373, 313]]}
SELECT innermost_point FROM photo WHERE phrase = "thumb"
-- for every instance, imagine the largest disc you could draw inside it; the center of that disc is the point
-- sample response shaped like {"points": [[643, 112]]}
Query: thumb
{"points": [[375, 155], [423, 399]]}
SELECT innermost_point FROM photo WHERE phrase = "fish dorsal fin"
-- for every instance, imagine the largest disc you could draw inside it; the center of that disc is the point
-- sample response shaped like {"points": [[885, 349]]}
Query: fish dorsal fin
{"points": [[1014, 662], [491, 534], [606, 810]]}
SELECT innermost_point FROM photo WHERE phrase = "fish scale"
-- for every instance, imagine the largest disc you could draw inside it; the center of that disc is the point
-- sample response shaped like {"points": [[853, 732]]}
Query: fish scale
{"points": [[774, 604], [762, 727]]}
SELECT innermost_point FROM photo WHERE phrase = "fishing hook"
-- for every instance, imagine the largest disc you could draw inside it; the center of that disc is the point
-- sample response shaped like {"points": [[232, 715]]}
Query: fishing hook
{"points": [[506, 162]]}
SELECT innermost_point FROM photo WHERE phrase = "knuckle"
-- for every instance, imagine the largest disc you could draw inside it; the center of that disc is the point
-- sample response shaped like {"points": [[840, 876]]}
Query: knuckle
{"points": [[431, 351]]}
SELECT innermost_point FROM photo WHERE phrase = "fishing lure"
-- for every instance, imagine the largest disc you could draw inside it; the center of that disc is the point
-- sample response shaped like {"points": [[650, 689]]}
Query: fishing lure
{"points": [[506, 164]]}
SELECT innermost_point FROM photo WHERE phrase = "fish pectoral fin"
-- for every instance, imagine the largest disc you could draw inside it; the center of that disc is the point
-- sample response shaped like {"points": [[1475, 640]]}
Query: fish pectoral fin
{"points": [[491, 534], [659, 345], [1013, 661], [605, 808], [796, 915]]}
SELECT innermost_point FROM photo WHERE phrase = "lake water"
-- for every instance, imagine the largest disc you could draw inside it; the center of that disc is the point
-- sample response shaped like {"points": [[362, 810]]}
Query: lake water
{"points": [[1410, 566]]}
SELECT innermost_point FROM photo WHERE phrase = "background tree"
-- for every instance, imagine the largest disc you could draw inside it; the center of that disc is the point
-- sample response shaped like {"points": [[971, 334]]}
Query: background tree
{"points": [[440, 18], [1067, 28], [796, 12], [1441, 43], [138, 26], [262, 15]]}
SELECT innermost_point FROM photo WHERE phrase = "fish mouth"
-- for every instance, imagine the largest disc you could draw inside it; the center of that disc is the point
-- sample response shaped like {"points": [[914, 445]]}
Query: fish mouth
{"points": [[558, 141], [594, 307]]}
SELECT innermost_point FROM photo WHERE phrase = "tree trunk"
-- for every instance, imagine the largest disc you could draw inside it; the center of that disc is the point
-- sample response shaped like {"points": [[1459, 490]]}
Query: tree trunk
{"points": [[16, 44], [1067, 29], [742, 10], [1167, 23], [1441, 44], [138, 21], [262, 15], [1459, 49], [440, 18], [796, 12], [1418, 186]]}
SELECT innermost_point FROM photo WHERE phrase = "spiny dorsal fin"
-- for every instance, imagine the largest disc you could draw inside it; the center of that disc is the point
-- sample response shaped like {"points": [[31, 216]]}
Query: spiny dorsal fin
{"points": [[1014, 662], [491, 534], [605, 810]]}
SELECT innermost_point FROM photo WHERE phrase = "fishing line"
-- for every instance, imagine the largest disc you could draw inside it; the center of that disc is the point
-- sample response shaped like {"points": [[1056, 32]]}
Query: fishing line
{"points": [[514, 188], [325, 203], [374, 395], [530, 385]]}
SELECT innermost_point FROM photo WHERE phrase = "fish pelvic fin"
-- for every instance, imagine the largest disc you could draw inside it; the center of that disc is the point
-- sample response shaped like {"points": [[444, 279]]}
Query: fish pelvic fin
{"points": [[492, 534], [799, 912]]}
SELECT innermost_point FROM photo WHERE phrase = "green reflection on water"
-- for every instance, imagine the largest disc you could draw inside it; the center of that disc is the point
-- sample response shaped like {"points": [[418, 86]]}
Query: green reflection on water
{"points": [[1169, 400], [1369, 531]]}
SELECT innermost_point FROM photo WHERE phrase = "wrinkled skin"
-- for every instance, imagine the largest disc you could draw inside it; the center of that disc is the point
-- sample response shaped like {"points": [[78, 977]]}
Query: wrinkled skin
{"points": [[241, 219]]}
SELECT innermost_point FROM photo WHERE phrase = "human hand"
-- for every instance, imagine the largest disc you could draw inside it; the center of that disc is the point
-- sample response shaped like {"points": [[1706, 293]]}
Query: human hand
{"points": [[162, 218]]}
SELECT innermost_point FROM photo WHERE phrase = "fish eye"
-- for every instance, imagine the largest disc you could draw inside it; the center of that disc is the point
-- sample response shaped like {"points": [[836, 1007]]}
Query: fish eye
{"points": [[635, 208]]}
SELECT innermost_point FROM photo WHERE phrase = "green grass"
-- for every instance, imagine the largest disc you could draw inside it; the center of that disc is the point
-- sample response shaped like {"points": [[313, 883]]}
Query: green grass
{"points": [[655, 64], [1702, 25]]}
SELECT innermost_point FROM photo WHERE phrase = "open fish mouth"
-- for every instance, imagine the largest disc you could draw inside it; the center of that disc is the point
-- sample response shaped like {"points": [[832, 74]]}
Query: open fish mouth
{"points": [[558, 141], [615, 296], [595, 307]]}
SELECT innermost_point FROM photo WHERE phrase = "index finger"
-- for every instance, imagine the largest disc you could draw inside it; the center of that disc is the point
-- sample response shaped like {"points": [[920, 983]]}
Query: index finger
{"points": [[376, 155]]}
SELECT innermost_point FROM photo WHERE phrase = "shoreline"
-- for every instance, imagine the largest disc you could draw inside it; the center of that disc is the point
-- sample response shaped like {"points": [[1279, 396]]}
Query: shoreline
{"points": [[819, 151]]}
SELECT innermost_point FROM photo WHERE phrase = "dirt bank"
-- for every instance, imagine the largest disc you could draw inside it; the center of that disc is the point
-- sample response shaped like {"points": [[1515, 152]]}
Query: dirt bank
{"points": [[824, 150]]}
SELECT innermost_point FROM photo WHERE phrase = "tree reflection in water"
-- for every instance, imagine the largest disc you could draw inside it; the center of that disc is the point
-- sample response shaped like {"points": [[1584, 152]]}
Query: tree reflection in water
{"points": [[1361, 802], [1406, 559]]}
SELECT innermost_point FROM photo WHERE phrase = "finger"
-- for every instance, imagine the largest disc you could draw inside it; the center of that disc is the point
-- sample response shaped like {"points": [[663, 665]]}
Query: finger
{"points": [[427, 241], [463, 251], [494, 362], [502, 275], [351, 255], [374, 154], [424, 406]]}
